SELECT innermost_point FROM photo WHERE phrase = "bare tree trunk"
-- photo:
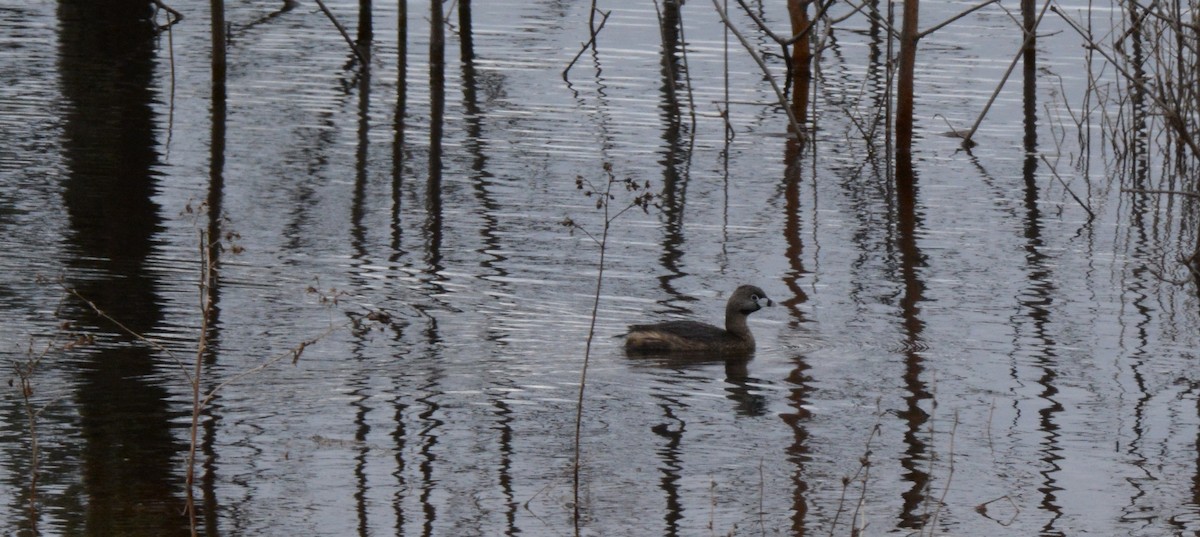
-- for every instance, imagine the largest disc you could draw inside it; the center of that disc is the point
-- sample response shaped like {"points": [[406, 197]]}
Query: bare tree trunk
{"points": [[904, 84], [801, 60]]}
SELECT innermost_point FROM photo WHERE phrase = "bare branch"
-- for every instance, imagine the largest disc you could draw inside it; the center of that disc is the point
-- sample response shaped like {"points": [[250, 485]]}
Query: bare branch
{"points": [[762, 65]]}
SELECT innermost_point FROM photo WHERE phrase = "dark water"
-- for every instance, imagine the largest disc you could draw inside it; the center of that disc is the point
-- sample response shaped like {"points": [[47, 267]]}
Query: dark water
{"points": [[1002, 364]]}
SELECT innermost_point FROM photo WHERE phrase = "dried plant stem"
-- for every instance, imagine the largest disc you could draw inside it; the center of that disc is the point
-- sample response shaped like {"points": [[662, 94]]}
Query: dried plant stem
{"points": [[587, 352], [25, 372], [201, 399], [1171, 114], [863, 475], [932, 523], [128, 331], [207, 272], [642, 199]]}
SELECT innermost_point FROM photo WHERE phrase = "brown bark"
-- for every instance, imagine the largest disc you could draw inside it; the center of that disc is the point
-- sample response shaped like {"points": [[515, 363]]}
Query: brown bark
{"points": [[801, 60], [904, 84]]}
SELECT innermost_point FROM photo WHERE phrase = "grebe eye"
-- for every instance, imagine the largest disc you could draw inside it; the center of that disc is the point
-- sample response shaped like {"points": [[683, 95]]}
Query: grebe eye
{"points": [[754, 298]]}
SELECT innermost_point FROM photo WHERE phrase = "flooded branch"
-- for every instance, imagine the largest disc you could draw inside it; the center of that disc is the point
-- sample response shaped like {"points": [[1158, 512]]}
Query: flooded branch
{"points": [[1173, 118], [951, 20], [788, 41], [591, 40], [1193, 195], [1054, 171], [874, 17], [362, 57], [123, 328], [761, 65], [174, 17], [1004, 79]]}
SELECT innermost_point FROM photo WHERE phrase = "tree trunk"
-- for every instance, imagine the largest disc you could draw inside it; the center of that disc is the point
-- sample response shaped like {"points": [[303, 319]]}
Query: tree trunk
{"points": [[801, 60], [904, 84]]}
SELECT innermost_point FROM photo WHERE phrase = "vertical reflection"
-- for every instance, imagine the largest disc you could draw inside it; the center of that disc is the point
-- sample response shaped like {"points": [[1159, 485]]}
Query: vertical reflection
{"points": [[362, 149], [798, 451], [1035, 302], [465, 37], [480, 176], [437, 104], [399, 434], [674, 183], [743, 389], [795, 244], [878, 74], [215, 201], [398, 127], [668, 26], [1137, 135], [672, 464], [491, 260], [1194, 504], [360, 379], [911, 261], [504, 426], [106, 58], [360, 382], [437, 108], [801, 68], [399, 446], [429, 440]]}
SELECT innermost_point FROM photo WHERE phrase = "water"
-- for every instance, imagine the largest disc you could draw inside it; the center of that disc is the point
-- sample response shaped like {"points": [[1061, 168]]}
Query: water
{"points": [[990, 362]]}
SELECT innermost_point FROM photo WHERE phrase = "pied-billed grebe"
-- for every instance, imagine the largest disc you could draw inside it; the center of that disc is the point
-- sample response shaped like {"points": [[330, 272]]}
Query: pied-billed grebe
{"points": [[692, 336]]}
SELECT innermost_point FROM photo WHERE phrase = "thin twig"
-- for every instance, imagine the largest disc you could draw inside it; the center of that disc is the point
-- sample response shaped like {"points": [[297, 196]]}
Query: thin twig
{"points": [[642, 200], [128, 331], [788, 41], [587, 354], [873, 15], [1194, 195], [293, 353], [174, 17], [947, 22], [1053, 171], [1171, 114], [949, 478], [206, 275], [762, 65]]}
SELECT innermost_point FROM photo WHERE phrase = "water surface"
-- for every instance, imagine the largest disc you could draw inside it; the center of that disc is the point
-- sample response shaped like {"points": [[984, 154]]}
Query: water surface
{"points": [[982, 360]]}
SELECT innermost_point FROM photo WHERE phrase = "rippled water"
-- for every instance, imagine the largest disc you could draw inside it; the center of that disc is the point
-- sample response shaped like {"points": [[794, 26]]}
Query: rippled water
{"points": [[989, 363]]}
